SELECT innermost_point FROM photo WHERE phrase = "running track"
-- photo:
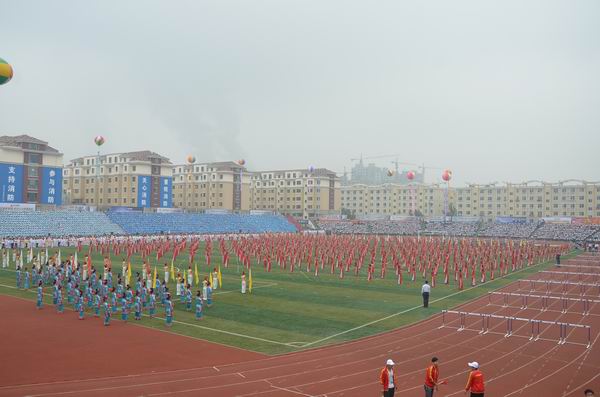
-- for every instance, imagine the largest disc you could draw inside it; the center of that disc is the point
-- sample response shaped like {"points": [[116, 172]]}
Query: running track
{"points": [[136, 361]]}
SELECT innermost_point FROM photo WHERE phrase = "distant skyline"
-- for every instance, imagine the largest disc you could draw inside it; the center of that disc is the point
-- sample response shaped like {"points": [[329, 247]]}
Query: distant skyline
{"points": [[494, 91]]}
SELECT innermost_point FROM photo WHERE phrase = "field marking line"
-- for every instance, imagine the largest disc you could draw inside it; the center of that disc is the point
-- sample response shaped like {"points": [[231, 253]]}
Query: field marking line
{"points": [[194, 325], [416, 307], [258, 286], [217, 369], [288, 390], [240, 374]]}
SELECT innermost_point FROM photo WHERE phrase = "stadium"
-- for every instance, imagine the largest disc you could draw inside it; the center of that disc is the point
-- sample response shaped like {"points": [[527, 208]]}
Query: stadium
{"points": [[131, 268]]}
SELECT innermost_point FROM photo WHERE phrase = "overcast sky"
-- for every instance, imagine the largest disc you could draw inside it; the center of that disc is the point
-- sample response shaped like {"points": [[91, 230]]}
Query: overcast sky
{"points": [[494, 90]]}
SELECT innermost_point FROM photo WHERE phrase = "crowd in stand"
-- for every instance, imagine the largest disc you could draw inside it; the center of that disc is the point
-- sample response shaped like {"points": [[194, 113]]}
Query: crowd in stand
{"points": [[410, 227], [507, 229], [558, 231], [540, 231], [459, 229]]}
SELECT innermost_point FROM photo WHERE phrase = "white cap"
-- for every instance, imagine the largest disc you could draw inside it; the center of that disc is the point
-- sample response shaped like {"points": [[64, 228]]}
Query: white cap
{"points": [[389, 362], [474, 364]]}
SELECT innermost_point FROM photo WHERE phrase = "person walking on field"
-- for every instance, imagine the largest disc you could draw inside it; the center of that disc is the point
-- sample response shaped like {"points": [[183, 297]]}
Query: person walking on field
{"points": [[431, 377], [388, 379], [475, 381], [425, 289]]}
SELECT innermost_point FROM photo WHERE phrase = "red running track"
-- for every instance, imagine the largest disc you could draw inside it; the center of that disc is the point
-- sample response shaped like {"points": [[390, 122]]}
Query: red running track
{"points": [[36, 363]]}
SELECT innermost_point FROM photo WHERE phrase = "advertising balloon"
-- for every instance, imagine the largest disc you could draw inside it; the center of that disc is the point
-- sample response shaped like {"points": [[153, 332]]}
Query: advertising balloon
{"points": [[311, 168], [6, 72], [190, 159], [410, 175], [390, 172], [241, 162], [99, 140], [447, 175]]}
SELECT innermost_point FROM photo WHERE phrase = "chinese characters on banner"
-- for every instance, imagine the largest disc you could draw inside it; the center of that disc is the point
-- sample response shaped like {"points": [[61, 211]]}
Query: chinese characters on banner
{"points": [[51, 186], [166, 194], [144, 189], [11, 183]]}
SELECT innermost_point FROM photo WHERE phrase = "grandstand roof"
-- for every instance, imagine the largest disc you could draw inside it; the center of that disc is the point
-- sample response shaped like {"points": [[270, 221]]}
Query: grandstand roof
{"points": [[16, 140]]}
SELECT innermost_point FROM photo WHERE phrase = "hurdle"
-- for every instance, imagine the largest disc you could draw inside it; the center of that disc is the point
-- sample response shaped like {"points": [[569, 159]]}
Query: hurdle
{"points": [[565, 285], [586, 303], [535, 325], [581, 267], [579, 274]]}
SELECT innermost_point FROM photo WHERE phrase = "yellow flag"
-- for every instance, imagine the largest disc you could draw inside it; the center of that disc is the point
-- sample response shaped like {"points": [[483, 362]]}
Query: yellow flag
{"points": [[196, 275], [250, 282], [219, 277], [128, 272], [172, 270], [154, 278]]}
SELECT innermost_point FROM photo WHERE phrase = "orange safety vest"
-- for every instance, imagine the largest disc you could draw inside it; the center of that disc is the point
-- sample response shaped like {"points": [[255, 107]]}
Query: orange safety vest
{"points": [[431, 376], [475, 382]]}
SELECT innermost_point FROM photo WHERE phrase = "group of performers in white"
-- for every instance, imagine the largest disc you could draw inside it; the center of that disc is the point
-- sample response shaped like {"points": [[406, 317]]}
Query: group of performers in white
{"points": [[101, 295]]}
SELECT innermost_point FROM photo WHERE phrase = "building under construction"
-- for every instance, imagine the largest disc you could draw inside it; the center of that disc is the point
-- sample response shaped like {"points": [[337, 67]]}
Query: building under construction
{"points": [[372, 174]]}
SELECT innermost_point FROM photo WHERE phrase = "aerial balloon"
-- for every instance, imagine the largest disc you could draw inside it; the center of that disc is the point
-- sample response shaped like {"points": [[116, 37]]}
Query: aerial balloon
{"points": [[190, 159], [6, 72], [311, 168], [99, 140], [390, 172], [410, 175], [241, 162], [447, 175]]}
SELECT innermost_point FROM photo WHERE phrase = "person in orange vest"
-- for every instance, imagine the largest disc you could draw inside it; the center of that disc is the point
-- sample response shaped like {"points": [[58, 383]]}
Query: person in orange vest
{"points": [[388, 379], [431, 377], [475, 381]]}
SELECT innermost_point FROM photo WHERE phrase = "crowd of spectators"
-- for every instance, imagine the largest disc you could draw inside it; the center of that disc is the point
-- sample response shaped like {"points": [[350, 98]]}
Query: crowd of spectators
{"points": [[459, 229], [410, 227], [561, 231], [513, 230], [540, 231]]}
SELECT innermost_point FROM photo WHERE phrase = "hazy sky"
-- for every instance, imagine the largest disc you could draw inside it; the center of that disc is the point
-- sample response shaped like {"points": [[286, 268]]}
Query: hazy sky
{"points": [[494, 90]]}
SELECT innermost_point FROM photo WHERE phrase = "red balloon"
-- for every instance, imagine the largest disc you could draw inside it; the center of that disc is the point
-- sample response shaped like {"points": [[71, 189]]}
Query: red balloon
{"points": [[410, 175], [447, 175]]}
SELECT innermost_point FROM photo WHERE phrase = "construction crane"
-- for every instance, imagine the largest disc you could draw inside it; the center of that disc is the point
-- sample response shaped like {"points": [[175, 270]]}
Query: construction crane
{"points": [[421, 167]]}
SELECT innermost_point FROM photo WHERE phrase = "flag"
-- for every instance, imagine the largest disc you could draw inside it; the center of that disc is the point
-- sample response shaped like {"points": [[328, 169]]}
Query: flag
{"points": [[128, 272], [219, 277], [172, 269], [250, 281], [154, 278], [196, 276]]}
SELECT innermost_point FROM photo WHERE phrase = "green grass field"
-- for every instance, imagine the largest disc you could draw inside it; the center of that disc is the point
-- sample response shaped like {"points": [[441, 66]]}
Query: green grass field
{"points": [[288, 312]]}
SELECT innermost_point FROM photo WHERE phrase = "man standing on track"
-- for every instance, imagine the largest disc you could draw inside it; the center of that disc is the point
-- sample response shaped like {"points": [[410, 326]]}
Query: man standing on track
{"points": [[475, 381], [431, 377], [425, 289], [388, 379], [588, 393]]}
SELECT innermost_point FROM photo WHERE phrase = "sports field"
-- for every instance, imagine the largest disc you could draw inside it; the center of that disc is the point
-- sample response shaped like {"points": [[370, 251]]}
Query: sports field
{"points": [[288, 312]]}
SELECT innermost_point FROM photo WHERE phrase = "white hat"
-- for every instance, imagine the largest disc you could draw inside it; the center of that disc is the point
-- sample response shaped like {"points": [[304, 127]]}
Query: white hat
{"points": [[389, 362], [474, 364]]}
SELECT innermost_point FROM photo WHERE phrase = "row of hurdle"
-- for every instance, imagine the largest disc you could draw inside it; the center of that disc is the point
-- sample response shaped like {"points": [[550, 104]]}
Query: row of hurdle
{"points": [[544, 300], [584, 288], [486, 318]]}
